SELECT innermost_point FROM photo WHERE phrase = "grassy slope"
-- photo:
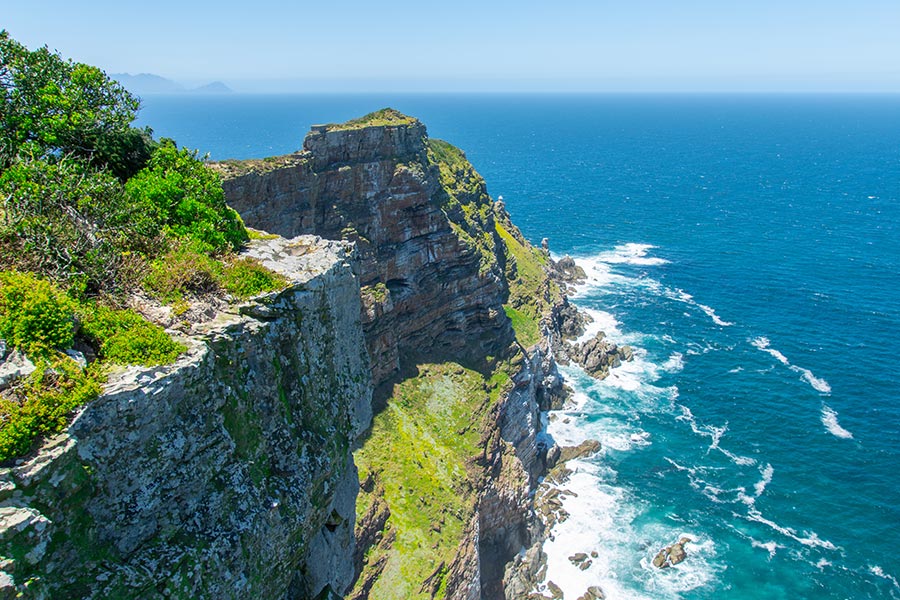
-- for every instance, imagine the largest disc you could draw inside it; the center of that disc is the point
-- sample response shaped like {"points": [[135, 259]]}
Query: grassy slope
{"points": [[421, 450]]}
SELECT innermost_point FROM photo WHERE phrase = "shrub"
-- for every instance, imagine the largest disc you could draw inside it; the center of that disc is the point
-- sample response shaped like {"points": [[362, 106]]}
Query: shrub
{"points": [[34, 315], [187, 270], [181, 270], [125, 337], [47, 398], [184, 197]]}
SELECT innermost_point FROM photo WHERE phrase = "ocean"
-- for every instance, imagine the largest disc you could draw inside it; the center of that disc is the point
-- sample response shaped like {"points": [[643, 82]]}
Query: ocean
{"points": [[748, 248]]}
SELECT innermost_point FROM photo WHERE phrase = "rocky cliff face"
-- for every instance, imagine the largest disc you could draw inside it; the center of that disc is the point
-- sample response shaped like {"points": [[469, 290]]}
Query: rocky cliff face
{"points": [[428, 289], [438, 262], [225, 475], [229, 474]]}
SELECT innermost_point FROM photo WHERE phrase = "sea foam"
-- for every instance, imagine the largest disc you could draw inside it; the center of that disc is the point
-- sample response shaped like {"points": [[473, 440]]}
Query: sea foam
{"points": [[830, 421], [817, 383]]}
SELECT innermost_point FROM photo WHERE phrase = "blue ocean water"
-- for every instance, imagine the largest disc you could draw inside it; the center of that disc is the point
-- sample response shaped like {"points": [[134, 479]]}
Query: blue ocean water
{"points": [[748, 247]]}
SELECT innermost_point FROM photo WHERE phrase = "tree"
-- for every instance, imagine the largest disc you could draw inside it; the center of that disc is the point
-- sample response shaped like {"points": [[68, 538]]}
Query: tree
{"points": [[53, 107]]}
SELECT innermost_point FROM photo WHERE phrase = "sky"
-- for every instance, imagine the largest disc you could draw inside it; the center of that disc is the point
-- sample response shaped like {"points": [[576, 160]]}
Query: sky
{"points": [[466, 45]]}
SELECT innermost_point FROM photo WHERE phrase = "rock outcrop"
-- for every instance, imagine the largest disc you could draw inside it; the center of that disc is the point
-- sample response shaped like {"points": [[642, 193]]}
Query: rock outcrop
{"points": [[227, 474], [671, 555], [598, 355]]}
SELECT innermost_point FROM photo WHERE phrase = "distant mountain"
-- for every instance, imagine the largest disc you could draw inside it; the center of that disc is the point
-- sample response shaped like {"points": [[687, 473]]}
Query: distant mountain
{"points": [[148, 83], [216, 87]]}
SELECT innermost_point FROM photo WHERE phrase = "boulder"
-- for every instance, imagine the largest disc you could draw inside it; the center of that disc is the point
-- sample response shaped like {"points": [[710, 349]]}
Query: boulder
{"points": [[585, 448], [16, 366], [593, 593], [671, 555]]}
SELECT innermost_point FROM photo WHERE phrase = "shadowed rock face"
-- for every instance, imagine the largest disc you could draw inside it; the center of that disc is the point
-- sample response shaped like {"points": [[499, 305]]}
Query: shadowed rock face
{"points": [[425, 290]]}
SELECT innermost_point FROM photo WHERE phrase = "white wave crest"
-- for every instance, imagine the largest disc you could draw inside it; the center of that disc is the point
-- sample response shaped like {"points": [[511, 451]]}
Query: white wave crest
{"points": [[808, 538], [760, 485], [877, 571], [817, 383], [770, 547], [632, 254], [830, 421], [711, 313], [674, 363], [715, 436]]}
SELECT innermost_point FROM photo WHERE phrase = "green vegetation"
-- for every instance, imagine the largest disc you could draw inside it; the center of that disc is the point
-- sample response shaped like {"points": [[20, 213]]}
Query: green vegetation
{"points": [[34, 315], [55, 107], [92, 209], [125, 337], [526, 326], [422, 452], [186, 271], [531, 292], [179, 196], [379, 118], [41, 405], [38, 318], [463, 197]]}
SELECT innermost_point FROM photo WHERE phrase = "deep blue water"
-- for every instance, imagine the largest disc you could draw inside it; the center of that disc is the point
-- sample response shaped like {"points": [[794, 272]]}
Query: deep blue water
{"points": [[749, 248]]}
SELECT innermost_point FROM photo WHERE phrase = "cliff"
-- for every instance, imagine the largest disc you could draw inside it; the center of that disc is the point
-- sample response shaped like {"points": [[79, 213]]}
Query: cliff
{"points": [[233, 472], [449, 283], [423, 227], [224, 475]]}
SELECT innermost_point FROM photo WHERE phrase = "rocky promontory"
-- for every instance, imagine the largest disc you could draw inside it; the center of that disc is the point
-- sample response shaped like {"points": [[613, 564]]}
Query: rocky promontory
{"points": [[370, 431]]}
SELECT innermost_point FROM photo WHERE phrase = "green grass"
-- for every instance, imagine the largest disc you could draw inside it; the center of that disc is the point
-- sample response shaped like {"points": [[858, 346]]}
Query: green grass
{"points": [[531, 292], [421, 448], [527, 328], [379, 118]]}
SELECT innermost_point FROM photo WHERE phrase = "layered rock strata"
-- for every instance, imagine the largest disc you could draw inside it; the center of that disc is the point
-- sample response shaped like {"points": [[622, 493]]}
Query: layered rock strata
{"points": [[227, 474], [427, 290]]}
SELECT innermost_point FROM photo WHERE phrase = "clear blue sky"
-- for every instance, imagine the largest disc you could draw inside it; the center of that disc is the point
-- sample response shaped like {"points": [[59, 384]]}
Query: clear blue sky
{"points": [[403, 45]]}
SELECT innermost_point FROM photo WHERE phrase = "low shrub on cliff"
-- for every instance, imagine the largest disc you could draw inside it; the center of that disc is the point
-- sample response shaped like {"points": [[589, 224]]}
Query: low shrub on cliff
{"points": [[42, 405], [125, 337], [35, 316], [39, 319]]}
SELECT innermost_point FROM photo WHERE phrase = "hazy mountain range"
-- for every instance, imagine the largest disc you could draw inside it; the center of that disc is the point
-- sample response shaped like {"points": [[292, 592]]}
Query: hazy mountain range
{"points": [[148, 83]]}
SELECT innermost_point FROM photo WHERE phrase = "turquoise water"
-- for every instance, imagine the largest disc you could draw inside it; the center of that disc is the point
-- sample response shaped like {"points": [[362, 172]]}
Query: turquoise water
{"points": [[749, 248]]}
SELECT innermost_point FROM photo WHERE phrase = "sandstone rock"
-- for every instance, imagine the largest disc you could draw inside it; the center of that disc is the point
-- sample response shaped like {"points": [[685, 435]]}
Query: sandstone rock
{"points": [[598, 355], [555, 591], [376, 187], [578, 558], [568, 271], [226, 474], [593, 593]]}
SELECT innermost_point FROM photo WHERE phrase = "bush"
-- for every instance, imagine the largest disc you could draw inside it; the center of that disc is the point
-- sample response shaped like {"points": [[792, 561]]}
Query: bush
{"points": [[184, 198], [34, 315], [183, 270], [49, 395], [125, 337]]}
